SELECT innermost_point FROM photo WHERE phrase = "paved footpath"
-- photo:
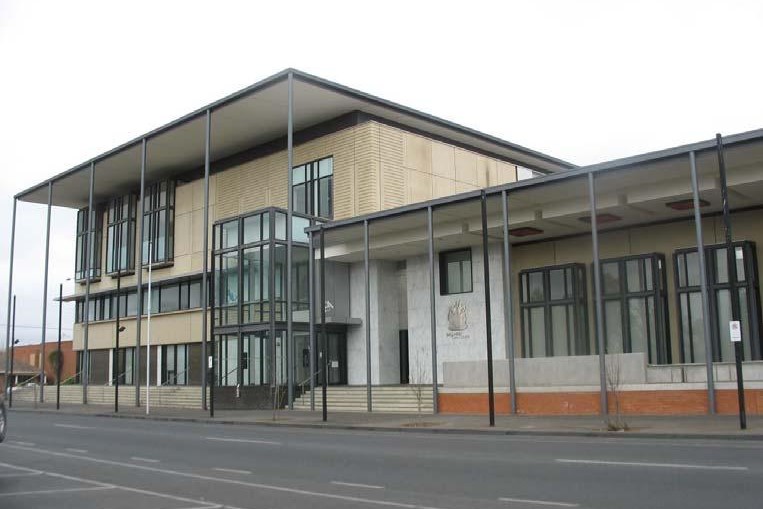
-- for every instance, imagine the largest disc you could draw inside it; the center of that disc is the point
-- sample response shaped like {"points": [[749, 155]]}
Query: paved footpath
{"points": [[703, 426]]}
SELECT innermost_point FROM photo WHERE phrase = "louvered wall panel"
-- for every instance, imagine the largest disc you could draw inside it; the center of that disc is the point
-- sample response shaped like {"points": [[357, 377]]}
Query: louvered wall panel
{"points": [[394, 181], [367, 197]]}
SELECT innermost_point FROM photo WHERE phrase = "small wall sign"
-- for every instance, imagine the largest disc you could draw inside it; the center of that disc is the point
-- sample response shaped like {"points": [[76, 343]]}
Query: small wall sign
{"points": [[735, 331]]}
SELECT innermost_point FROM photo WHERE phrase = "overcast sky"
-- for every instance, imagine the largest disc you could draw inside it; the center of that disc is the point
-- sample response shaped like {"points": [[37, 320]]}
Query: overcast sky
{"points": [[583, 81]]}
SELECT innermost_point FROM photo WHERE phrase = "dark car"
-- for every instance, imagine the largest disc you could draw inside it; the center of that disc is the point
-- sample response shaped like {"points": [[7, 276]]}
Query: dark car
{"points": [[3, 418]]}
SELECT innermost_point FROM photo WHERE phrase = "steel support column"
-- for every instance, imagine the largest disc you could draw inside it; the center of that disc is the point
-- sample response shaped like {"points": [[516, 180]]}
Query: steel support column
{"points": [[8, 342], [703, 286], [210, 360], [311, 316], [604, 409], [59, 361], [289, 346], [45, 293], [88, 276], [488, 315], [732, 269], [367, 319], [205, 261], [139, 272], [508, 304], [324, 342], [13, 348], [432, 317]]}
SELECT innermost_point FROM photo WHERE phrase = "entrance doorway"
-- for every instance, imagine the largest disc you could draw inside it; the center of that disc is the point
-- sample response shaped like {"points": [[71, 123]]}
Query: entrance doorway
{"points": [[336, 347], [404, 363]]}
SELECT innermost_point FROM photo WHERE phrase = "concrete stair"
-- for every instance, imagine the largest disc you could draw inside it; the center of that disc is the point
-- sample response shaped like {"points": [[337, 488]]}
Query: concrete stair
{"points": [[165, 396], [385, 399]]}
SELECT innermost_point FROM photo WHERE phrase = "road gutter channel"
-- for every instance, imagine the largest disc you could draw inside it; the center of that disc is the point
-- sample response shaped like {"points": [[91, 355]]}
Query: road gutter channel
{"points": [[419, 430]]}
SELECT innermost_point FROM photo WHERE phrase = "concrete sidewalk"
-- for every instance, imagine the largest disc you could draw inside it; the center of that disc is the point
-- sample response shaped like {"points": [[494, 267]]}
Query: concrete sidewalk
{"points": [[709, 427]]}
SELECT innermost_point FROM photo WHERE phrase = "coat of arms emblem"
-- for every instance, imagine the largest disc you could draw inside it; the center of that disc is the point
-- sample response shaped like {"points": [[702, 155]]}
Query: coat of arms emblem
{"points": [[457, 320]]}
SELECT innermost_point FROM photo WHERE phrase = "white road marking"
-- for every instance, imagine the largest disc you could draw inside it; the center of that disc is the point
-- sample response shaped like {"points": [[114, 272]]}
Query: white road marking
{"points": [[656, 465], [232, 470], [24, 469], [271, 487], [145, 460], [79, 451], [357, 485], [49, 492], [72, 426], [538, 502], [24, 444], [243, 440], [20, 474]]}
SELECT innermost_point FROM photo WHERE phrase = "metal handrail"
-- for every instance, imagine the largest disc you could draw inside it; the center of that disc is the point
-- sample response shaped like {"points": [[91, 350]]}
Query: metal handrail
{"points": [[174, 378]]}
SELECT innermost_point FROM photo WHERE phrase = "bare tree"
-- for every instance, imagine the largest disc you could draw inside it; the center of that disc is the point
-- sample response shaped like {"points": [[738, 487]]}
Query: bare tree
{"points": [[416, 379], [615, 420]]}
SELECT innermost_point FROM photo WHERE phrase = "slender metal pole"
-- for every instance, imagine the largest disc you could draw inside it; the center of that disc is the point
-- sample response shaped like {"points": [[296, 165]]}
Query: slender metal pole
{"points": [[432, 317], [703, 287], [204, 260], [210, 360], [272, 325], [367, 293], [139, 270], [508, 305], [13, 347], [8, 341], [89, 241], [324, 345], [289, 238], [311, 316], [148, 317], [116, 350], [732, 269], [603, 399], [488, 315], [59, 359], [45, 294]]}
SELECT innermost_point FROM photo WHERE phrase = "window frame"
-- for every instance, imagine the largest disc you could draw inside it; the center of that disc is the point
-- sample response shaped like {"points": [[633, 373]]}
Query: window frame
{"points": [[95, 231], [578, 301], [116, 221], [659, 295], [443, 267], [751, 286], [151, 217], [311, 186]]}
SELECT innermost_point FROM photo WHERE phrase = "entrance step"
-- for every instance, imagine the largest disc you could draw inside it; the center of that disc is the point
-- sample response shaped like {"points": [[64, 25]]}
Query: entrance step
{"points": [[385, 399]]}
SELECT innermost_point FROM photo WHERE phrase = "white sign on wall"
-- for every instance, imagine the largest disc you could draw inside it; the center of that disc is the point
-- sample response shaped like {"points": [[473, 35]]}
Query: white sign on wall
{"points": [[735, 331]]}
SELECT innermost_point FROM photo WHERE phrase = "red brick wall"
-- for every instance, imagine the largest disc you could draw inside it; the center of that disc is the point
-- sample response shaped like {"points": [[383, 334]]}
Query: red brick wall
{"points": [[678, 402], [30, 355]]}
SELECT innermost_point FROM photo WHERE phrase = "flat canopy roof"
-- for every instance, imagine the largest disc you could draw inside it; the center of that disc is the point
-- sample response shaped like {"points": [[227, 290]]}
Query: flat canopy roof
{"points": [[250, 117]]}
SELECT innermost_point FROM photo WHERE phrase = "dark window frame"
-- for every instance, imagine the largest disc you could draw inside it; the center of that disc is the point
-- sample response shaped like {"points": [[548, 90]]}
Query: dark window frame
{"points": [[153, 207], [176, 371], [443, 266], [95, 228], [309, 189], [750, 284], [117, 221], [659, 295], [578, 300]]}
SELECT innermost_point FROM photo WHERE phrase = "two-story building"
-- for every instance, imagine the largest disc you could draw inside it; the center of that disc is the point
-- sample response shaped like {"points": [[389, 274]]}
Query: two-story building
{"points": [[402, 210]]}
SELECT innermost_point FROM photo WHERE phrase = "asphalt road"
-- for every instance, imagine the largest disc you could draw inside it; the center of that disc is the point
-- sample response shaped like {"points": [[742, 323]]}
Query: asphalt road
{"points": [[60, 461]]}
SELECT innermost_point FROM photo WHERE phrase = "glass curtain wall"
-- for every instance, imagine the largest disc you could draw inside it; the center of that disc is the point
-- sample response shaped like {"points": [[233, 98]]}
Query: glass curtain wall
{"points": [[249, 294]]}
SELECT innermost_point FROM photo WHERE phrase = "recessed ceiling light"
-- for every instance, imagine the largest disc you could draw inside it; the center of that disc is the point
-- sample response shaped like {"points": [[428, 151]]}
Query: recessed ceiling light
{"points": [[687, 204], [601, 218], [525, 231]]}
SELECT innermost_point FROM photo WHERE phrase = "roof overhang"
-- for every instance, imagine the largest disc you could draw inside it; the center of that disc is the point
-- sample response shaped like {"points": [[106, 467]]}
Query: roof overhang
{"points": [[251, 117]]}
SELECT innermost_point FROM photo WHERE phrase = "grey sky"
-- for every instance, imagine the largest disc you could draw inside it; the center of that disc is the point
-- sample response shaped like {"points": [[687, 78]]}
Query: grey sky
{"points": [[584, 81]]}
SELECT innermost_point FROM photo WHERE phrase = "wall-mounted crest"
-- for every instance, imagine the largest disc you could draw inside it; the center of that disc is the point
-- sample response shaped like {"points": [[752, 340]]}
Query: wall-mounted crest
{"points": [[457, 319]]}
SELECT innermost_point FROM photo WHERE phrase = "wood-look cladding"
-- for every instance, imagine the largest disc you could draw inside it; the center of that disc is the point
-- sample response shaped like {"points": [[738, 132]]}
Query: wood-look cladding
{"points": [[376, 167]]}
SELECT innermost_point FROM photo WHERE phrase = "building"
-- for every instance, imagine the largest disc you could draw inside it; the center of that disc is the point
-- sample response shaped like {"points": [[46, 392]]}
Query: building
{"points": [[403, 210]]}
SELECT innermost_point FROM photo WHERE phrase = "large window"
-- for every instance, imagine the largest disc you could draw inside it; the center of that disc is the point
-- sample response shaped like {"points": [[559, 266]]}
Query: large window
{"points": [[124, 369], [174, 364], [120, 243], [159, 222], [312, 189], [165, 298], [456, 272], [635, 307], [93, 244], [554, 317], [720, 288]]}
